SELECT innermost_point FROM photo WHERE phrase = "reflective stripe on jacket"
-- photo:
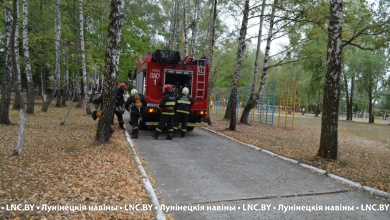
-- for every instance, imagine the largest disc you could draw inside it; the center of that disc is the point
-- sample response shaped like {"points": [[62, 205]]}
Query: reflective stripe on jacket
{"points": [[168, 103], [184, 104]]}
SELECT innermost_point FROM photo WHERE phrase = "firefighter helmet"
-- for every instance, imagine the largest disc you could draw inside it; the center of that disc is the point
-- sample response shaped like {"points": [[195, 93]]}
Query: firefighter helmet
{"points": [[122, 86], [168, 88], [133, 92], [185, 91], [189, 59]]}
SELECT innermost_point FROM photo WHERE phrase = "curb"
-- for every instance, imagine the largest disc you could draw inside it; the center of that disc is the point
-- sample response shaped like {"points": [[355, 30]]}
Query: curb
{"points": [[145, 180], [315, 169]]}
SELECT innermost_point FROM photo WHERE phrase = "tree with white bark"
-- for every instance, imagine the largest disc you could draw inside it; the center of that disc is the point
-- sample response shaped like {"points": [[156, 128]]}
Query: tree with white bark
{"points": [[113, 51], [56, 80]]}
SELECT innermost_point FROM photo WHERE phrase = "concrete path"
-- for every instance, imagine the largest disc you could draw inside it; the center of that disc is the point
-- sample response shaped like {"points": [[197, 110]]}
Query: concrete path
{"points": [[206, 176]]}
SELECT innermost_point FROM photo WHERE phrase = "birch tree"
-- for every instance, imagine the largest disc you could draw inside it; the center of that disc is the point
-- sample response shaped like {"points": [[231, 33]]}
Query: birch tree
{"points": [[263, 78], [195, 28], [237, 70], [329, 125], [212, 27], [65, 87], [82, 49], [7, 78], [17, 84], [58, 54], [173, 42], [17, 74], [254, 97], [30, 82], [185, 49], [111, 68]]}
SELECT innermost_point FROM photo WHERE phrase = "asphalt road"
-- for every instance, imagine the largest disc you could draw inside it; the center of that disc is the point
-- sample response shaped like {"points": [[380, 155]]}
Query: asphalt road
{"points": [[207, 176]]}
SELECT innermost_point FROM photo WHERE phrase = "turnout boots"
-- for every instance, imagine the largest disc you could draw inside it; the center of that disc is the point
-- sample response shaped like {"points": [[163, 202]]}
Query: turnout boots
{"points": [[155, 135], [121, 125], [174, 133], [135, 133], [182, 134], [169, 137]]}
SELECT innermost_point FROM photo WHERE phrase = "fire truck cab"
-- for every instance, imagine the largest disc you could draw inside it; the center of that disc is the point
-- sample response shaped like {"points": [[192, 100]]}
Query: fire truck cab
{"points": [[162, 67]]}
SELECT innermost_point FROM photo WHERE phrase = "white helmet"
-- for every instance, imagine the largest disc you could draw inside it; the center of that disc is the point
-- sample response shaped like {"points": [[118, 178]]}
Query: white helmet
{"points": [[185, 91], [133, 92]]}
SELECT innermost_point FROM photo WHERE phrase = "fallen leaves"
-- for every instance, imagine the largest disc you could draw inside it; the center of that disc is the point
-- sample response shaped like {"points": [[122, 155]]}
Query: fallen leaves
{"points": [[63, 165]]}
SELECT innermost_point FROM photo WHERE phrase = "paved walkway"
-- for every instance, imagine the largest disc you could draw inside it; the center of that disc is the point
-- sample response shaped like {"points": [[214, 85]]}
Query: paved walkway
{"points": [[206, 176]]}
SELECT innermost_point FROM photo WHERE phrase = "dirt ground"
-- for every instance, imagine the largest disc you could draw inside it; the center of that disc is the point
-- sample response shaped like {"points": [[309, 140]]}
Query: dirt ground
{"points": [[61, 166], [363, 151]]}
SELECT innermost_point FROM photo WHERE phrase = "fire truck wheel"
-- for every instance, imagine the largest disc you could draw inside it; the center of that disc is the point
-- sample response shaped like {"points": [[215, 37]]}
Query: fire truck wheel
{"points": [[190, 128]]}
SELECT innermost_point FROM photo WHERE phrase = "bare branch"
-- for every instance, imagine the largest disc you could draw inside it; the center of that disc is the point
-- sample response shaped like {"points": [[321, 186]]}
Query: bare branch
{"points": [[356, 45]]}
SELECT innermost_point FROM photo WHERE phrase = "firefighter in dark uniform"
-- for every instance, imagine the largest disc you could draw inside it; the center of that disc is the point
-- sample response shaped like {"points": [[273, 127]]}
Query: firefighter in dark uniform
{"points": [[120, 101], [183, 105], [135, 104], [97, 100], [167, 105]]}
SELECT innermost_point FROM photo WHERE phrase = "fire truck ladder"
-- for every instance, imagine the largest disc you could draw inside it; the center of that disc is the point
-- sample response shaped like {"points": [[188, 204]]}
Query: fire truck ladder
{"points": [[200, 79]]}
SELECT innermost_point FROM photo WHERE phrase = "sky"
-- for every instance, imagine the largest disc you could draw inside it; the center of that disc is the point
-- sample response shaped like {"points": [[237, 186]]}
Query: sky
{"points": [[234, 23]]}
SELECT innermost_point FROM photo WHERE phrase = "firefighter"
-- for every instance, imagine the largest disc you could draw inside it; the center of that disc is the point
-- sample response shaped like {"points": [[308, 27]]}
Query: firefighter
{"points": [[97, 100], [120, 104], [167, 106], [183, 105], [135, 104]]}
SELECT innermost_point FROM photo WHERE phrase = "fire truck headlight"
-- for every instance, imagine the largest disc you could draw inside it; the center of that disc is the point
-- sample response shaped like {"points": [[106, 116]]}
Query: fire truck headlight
{"points": [[151, 110]]}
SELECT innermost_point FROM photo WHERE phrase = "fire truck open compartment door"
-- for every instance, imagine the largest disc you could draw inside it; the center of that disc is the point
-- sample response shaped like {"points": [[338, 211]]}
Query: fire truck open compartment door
{"points": [[180, 79], [140, 83]]}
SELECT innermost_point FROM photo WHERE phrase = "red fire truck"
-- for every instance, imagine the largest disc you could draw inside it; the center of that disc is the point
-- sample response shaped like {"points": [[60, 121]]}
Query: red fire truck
{"points": [[162, 67]]}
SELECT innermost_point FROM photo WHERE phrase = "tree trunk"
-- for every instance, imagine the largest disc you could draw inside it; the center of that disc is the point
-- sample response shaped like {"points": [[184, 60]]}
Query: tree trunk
{"points": [[174, 26], [17, 74], [318, 108], [250, 104], [58, 54], [195, 28], [213, 18], [58, 97], [43, 84], [111, 69], [370, 108], [65, 88], [228, 114], [69, 109], [253, 97], [7, 79], [80, 83], [329, 126], [185, 28], [30, 82], [82, 50], [267, 50], [350, 107], [18, 149], [346, 93], [237, 70], [349, 97]]}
